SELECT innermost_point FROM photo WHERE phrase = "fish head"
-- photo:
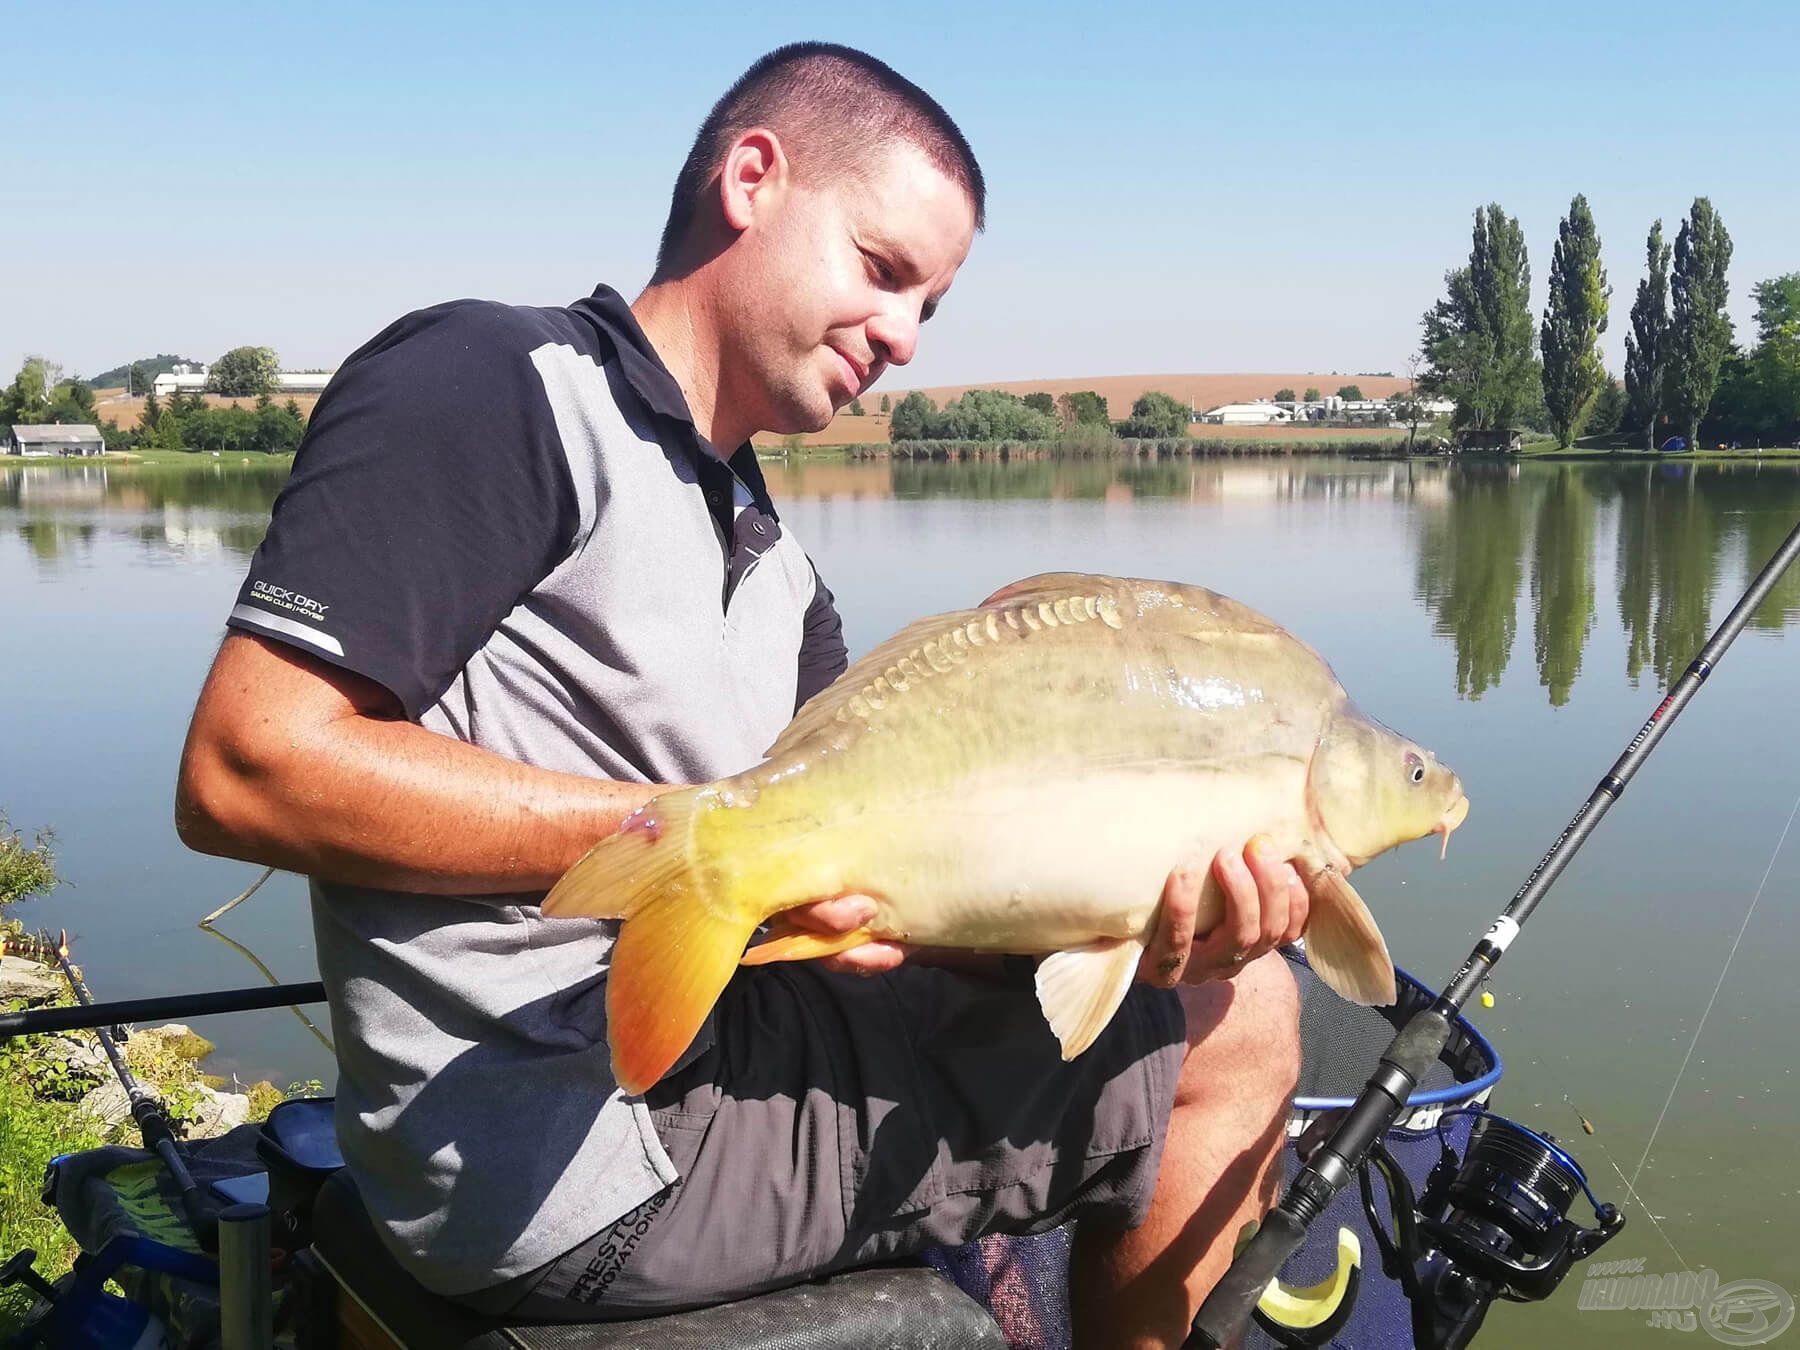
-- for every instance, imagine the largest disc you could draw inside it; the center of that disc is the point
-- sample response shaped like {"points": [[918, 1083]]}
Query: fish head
{"points": [[1372, 789]]}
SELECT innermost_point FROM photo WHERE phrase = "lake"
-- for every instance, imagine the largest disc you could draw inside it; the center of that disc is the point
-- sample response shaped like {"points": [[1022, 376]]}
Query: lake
{"points": [[1519, 619]]}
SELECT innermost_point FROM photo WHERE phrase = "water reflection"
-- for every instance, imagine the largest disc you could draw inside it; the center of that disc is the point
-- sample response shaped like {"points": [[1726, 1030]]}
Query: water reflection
{"points": [[1479, 532], [208, 509]]}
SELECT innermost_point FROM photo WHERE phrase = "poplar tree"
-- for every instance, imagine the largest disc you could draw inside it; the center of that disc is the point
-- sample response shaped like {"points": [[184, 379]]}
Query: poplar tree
{"points": [[1647, 345], [1701, 330], [1478, 339], [1573, 322]]}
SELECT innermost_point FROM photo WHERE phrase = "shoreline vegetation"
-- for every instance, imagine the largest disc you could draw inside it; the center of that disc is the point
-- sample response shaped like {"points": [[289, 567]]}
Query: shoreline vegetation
{"points": [[58, 1093]]}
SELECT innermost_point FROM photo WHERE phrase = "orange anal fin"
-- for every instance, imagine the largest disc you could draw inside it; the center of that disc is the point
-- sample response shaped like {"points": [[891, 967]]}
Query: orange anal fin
{"points": [[670, 964], [792, 943]]}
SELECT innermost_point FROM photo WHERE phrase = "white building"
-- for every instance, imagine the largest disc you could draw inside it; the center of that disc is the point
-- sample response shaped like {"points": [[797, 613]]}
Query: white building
{"points": [[183, 379], [56, 438], [191, 379], [1259, 414]]}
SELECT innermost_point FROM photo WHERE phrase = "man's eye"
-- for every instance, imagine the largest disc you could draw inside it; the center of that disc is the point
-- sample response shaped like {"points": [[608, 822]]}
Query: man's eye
{"points": [[880, 270]]}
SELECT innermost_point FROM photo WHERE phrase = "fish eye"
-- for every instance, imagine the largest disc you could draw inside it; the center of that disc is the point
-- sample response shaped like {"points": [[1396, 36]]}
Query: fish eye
{"points": [[1415, 767]]}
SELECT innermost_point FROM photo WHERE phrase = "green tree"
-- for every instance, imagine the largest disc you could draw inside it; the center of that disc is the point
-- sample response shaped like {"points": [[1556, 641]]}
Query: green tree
{"points": [[169, 428], [1647, 345], [1350, 393], [152, 411], [244, 371], [1573, 322], [912, 418], [1156, 416], [1286, 395], [1608, 412], [1083, 408], [887, 404], [856, 408], [27, 399], [72, 401], [991, 415], [1478, 343], [1041, 402], [137, 380], [1311, 395], [1701, 331], [1775, 361], [116, 437]]}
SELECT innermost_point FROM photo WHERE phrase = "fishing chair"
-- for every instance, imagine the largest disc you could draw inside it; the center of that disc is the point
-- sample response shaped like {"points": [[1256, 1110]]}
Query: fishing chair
{"points": [[367, 1302]]}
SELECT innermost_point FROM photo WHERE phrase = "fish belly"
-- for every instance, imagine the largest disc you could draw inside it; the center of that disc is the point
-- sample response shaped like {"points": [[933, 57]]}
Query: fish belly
{"points": [[1011, 864]]}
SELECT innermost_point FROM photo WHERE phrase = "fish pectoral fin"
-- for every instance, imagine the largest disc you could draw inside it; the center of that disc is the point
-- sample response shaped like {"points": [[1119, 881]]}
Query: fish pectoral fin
{"points": [[790, 942], [1343, 944], [1080, 989]]}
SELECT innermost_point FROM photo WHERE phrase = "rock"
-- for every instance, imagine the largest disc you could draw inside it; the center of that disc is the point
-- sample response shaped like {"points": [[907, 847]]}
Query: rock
{"points": [[217, 1113], [107, 1103], [28, 980]]}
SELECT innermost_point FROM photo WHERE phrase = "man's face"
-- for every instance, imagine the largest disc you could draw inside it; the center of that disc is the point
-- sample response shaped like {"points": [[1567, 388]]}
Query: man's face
{"points": [[834, 281]]}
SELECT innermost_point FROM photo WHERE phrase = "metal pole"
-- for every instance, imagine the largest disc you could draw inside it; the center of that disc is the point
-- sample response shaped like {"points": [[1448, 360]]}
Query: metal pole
{"points": [[246, 1303], [172, 1006], [1228, 1307]]}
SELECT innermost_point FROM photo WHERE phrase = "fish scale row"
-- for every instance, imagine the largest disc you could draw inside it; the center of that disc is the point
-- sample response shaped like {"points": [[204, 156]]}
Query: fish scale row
{"points": [[935, 656]]}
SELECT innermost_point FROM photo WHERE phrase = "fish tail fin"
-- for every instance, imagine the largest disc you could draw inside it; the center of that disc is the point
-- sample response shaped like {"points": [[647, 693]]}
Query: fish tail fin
{"points": [[1343, 944], [681, 936]]}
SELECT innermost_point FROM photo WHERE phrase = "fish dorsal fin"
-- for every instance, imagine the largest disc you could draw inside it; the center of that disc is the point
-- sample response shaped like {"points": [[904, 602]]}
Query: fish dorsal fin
{"points": [[1080, 989], [934, 646]]}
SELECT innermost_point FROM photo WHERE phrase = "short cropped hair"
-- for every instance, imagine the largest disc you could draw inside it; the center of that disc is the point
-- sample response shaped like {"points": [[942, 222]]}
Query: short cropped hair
{"points": [[833, 108]]}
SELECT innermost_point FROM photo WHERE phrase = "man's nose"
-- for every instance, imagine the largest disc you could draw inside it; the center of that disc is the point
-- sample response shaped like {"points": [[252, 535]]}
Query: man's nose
{"points": [[894, 335]]}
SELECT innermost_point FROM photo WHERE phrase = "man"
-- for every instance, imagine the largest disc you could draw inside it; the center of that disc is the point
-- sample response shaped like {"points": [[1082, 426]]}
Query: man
{"points": [[525, 571]]}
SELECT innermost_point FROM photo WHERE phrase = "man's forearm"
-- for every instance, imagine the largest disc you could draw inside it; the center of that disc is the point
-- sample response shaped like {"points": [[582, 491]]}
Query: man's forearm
{"points": [[410, 810], [354, 796]]}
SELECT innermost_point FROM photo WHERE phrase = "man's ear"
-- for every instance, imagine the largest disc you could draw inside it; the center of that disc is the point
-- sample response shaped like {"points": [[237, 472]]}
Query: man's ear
{"points": [[755, 173]]}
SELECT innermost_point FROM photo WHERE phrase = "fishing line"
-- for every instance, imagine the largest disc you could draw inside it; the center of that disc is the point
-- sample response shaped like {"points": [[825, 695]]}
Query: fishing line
{"points": [[238, 899], [1767, 871], [1630, 1190]]}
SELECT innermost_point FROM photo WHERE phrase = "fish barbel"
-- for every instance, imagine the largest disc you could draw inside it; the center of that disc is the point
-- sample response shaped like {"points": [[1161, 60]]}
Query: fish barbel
{"points": [[1020, 777]]}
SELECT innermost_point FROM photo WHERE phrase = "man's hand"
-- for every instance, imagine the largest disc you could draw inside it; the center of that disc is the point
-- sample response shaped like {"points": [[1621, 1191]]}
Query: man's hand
{"points": [[1265, 907]]}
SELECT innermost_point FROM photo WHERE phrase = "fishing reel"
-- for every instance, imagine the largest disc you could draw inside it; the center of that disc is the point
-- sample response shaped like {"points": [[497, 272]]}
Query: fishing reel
{"points": [[1493, 1225]]}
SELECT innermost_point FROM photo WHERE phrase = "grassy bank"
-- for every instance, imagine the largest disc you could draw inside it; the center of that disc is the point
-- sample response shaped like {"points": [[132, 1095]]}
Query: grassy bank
{"points": [[1195, 447], [150, 459]]}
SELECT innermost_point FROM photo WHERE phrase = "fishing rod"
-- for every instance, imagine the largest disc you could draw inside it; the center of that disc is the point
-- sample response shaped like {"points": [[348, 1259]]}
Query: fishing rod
{"points": [[1344, 1155], [174, 1006], [146, 1108]]}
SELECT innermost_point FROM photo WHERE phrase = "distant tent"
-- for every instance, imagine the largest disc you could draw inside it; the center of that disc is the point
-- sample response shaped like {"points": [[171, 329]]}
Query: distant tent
{"points": [[1675, 444]]}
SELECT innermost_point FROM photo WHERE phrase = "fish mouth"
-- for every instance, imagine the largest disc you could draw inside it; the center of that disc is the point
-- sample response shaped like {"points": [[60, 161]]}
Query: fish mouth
{"points": [[1456, 815]]}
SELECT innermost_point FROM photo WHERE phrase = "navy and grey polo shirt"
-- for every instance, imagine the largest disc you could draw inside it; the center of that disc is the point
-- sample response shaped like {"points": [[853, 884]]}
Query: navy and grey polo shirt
{"points": [[506, 517]]}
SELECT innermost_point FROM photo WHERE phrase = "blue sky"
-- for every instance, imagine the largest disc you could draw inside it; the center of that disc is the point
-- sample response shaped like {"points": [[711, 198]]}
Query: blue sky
{"points": [[1174, 187]]}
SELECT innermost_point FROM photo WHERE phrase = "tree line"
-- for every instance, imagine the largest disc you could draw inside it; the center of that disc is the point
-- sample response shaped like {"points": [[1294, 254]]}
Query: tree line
{"points": [[993, 415], [40, 394], [1683, 373]]}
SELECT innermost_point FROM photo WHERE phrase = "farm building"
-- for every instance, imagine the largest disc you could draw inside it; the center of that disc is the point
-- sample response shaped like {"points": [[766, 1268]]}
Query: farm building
{"points": [[191, 379], [56, 438], [1247, 414], [183, 379]]}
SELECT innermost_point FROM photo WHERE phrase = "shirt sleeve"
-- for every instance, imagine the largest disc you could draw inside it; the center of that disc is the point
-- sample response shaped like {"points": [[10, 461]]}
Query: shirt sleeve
{"points": [[823, 656], [430, 494]]}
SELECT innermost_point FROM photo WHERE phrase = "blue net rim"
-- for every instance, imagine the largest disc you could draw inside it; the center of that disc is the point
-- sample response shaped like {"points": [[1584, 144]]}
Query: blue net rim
{"points": [[1414, 994]]}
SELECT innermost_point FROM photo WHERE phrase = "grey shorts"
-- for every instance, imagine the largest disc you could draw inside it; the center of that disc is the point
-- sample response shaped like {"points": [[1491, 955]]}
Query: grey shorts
{"points": [[840, 1120]]}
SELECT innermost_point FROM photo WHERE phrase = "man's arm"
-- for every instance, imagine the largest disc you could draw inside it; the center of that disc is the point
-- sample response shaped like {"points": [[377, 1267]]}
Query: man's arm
{"points": [[298, 764]]}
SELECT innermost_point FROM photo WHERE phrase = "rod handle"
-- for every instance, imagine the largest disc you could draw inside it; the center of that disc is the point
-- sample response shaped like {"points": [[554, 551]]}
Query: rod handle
{"points": [[1228, 1308]]}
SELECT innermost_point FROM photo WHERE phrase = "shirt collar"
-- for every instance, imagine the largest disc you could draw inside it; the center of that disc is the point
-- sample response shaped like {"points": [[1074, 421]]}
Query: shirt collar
{"points": [[661, 393], [643, 369]]}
